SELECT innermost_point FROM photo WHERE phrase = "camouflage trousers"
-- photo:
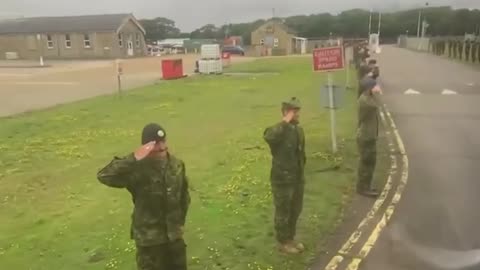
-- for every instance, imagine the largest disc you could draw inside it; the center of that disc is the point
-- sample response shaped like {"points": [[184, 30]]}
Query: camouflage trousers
{"points": [[366, 166], [288, 201], [170, 256]]}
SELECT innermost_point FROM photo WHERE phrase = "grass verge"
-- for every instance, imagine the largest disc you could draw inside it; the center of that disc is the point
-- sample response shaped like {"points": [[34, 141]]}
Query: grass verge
{"points": [[55, 215]]}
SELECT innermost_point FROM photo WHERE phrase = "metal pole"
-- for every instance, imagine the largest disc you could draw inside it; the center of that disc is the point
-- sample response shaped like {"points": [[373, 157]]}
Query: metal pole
{"points": [[119, 80], [332, 112], [370, 24], [419, 19], [119, 70], [379, 23], [346, 60], [347, 84]]}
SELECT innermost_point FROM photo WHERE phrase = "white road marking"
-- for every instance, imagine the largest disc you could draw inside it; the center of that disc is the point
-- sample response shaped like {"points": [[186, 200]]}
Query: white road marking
{"points": [[41, 83], [471, 84], [448, 92], [411, 92]]}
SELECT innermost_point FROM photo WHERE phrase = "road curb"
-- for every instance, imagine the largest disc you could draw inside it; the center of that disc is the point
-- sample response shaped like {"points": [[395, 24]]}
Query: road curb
{"points": [[353, 261]]}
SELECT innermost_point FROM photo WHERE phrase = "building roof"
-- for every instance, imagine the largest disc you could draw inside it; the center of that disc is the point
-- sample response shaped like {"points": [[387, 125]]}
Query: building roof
{"points": [[87, 23], [278, 23], [286, 28]]}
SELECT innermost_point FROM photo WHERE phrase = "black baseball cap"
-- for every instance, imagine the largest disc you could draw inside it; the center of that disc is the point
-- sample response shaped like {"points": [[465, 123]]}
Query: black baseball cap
{"points": [[153, 132]]}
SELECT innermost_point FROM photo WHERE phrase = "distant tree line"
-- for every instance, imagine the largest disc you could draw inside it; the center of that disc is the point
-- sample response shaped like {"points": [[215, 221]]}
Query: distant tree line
{"points": [[443, 21]]}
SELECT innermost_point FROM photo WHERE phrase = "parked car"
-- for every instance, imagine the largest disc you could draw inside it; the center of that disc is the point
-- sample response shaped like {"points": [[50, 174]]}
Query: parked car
{"points": [[234, 50]]}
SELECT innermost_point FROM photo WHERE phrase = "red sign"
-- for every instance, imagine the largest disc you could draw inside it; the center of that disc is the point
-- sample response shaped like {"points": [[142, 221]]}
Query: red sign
{"points": [[328, 59]]}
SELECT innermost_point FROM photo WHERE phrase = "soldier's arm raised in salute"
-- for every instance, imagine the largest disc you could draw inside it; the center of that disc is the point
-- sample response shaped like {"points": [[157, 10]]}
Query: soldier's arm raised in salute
{"points": [[274, 134], [117, 173]]}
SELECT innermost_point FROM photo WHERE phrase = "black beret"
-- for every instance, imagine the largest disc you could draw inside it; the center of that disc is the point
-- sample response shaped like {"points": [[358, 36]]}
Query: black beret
{"points": [[153, 132]]}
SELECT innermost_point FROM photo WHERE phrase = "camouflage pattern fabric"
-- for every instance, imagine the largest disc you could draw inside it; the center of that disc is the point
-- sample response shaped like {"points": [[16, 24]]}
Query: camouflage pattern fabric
{"points": [[376, 72], [288, 202], [367, 117], [287, 145], [159, 190], [171, 256], [366, 166], [367, 134]]}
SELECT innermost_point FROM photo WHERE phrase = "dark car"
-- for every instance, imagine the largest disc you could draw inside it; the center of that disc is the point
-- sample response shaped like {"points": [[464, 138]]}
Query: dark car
{"points": [[233, 50]]}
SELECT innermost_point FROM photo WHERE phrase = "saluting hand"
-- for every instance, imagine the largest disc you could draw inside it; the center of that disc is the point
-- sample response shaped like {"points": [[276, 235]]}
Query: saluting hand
{"points": [[144, 150], [288, 117]]}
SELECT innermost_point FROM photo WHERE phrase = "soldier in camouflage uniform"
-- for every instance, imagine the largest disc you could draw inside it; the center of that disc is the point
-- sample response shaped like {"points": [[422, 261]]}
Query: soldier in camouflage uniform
{"points": [[370, 70], [367, 134], [287, 144], [157, 182], [372, 64]]}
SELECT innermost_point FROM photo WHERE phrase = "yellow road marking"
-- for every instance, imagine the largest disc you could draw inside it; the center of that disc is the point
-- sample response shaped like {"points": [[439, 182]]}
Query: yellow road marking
{"points": [[334, 263], [372, 239], [354, 264], [355, 236]]}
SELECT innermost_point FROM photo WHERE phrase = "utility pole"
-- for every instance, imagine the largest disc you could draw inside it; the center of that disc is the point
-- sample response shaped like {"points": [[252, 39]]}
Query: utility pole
{"points": [[379, 23], [420, 19], [370, 24], [418, 24]]}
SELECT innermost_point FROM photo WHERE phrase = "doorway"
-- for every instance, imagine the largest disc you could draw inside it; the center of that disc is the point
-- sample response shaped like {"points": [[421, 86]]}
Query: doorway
{"points": [[130, 48]]}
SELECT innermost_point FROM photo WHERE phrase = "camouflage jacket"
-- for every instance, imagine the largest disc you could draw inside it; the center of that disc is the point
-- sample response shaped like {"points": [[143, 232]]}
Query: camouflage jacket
{"points": [[367, 117], [287, 145], [376, 72], [159, 192]]}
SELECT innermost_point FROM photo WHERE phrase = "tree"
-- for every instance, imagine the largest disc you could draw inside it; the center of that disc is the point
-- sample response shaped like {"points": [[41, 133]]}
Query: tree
{"points": [[206, 32], [353, 23], [160, 28]]}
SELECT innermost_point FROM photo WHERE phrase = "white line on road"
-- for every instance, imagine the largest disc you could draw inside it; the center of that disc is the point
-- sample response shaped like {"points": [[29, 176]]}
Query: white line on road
{"points": [[411, 92], [40, 83], [471, 84], [448, 92]]}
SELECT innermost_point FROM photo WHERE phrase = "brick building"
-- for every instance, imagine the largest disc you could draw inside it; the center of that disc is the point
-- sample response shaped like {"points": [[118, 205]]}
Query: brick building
{"points": [[72, 37]]}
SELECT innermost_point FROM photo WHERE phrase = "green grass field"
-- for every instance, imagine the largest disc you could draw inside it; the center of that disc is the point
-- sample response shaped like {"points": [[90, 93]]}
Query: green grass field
{"points": [[55, 214]]}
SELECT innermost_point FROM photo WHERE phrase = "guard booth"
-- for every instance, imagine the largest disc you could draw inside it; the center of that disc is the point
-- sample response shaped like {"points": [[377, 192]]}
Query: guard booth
{"points": [[374, 43]]}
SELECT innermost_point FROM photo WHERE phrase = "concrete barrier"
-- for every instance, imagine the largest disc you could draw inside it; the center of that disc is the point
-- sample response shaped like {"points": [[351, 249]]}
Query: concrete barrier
{"points": [[414, 43]]}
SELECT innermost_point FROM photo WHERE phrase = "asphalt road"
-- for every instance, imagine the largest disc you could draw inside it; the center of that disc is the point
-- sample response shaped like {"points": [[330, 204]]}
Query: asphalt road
{"points": [[437, 223]]}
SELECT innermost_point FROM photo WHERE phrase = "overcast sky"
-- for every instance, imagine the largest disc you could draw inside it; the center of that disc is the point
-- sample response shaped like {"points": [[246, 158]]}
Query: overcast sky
{"points": [[191, 14]]}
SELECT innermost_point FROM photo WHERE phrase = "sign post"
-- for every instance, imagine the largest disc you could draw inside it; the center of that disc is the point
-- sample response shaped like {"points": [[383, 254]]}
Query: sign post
{"points": [[333, 121], [119, 69], [330, 59]]}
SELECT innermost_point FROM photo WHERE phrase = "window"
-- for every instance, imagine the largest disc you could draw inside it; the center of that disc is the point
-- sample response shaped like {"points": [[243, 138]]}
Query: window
{"points": [[49, 42], [137, 40], [120, 40], [86, 41], [262, 42], [275, 42], [68, 41]]}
